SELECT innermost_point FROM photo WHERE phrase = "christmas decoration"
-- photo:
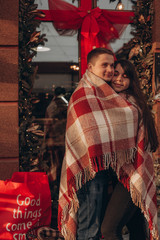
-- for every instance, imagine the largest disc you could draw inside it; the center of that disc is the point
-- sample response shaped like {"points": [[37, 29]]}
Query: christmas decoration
{"points": [[30, 134], [139, 49], [98, 27]]}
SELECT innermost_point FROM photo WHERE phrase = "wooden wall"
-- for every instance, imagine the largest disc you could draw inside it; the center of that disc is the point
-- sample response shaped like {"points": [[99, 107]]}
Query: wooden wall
{"points": [[156, 25], [9, 144]]}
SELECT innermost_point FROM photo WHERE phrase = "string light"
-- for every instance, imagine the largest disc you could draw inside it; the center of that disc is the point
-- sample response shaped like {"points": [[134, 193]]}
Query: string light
{"points": [[74, 67], [120, 5]]}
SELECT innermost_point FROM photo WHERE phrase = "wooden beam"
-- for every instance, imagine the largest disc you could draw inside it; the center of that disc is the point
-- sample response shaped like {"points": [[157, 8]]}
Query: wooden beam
{"points": [[55, 67]]}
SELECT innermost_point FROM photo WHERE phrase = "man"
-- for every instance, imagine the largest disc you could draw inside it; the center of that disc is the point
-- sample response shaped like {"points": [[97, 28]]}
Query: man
{"points": [[93, 196], [95, 141], [53, 146], [54, 129]]}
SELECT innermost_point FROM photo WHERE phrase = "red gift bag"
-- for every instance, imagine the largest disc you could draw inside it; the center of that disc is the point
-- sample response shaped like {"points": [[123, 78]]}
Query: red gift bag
{"points": [[25, 204]]}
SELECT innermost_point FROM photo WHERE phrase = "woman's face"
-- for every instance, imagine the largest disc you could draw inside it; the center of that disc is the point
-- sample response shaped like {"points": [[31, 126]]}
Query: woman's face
{"points": [[120, 80]]}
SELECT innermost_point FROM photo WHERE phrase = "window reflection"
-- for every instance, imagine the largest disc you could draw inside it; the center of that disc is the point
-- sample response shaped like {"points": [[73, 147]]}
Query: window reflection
{"points": [[51, 114]]}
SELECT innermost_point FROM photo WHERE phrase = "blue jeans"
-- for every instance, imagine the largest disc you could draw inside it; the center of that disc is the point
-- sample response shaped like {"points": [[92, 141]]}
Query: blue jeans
{"points": [[93, 198]]}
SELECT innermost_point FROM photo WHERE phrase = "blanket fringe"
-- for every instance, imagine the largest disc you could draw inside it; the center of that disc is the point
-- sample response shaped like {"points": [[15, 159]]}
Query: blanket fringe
{"points": [[115, 159], [83, 177], [69, 209], [80, 179], [68, 235]]}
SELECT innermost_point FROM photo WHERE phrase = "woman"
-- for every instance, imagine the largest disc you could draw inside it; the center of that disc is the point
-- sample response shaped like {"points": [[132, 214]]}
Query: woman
{"points": [[121, 210]]}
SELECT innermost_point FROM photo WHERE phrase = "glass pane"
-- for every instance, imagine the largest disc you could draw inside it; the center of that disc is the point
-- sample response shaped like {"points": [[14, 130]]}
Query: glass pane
{"points": [[62, 48], [126, 36]]}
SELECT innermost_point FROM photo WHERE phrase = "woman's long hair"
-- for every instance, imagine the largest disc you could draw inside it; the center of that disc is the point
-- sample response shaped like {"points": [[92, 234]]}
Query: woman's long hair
{"points": [[134, 89]]}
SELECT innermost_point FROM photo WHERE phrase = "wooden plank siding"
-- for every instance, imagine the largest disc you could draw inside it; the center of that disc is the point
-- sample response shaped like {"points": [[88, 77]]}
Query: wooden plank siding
{"points": [[9, 144]]}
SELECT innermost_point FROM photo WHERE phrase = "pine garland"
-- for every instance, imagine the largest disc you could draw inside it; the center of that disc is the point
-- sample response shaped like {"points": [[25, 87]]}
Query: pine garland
{"points": [[30, 135], [139, 49]]}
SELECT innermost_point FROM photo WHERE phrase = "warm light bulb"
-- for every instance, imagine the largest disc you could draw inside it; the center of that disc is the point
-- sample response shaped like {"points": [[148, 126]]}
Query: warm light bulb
{"points": [[74, 67], [120, 6]]}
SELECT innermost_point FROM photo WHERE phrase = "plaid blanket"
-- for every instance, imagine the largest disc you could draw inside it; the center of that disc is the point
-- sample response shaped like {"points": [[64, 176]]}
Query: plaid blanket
{"points": [[102, 131]]}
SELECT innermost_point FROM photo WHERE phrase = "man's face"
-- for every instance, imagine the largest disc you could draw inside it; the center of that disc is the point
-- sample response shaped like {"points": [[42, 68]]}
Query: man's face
{"points": [[103, 66]]}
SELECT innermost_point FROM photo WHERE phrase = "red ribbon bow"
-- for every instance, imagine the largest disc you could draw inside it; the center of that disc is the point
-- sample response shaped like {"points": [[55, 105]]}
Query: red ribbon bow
{"points": [[89, 24], [98, 27]]}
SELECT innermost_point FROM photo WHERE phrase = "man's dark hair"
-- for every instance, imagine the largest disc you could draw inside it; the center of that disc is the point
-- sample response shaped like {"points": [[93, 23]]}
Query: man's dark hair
{"points": [[96, 52]]}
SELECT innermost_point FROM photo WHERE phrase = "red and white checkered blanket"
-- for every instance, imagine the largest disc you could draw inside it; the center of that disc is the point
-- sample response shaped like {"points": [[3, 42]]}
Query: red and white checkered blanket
{"points": [[102, 130]]}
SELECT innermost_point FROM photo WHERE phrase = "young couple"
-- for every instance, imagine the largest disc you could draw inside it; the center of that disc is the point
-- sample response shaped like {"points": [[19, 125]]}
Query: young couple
{"points": [[110, 137]]}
